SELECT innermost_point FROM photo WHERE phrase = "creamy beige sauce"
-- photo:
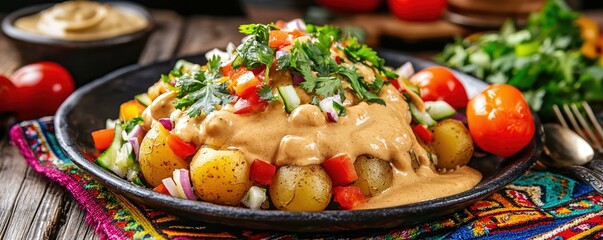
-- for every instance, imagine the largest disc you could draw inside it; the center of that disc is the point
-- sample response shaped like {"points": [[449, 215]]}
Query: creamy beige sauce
{"points": [[305, 137], [81, 21]]}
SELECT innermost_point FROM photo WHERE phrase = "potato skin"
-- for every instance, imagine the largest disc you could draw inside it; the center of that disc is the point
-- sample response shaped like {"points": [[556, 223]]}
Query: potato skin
{"points": [[157, 160], [301, 188], [374, 175], [452, 144], [220, 176]]}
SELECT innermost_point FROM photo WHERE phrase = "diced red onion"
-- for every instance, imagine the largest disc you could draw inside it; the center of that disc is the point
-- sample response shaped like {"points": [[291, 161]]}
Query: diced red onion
{"points": [[170, 186], [281, 53], [185, 183], [296, 24], [135, 132], [297, 79], [406, 70], [135, 147], [461, 117], [326, 105], [332, 116], [167, 123]]}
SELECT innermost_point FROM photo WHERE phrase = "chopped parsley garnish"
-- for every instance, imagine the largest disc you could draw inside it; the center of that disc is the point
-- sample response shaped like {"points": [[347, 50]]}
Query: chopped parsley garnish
{"points": [[361, 53], [199, 92], [130, 124], [255, 51]]}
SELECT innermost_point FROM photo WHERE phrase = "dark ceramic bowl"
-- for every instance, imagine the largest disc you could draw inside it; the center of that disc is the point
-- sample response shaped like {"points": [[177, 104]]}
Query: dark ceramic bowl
{"points": [[88, 108], [85, 60]]}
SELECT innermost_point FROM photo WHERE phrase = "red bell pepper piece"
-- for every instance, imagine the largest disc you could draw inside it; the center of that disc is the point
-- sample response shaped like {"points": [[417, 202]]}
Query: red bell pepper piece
{"points": [[181, 148], [423, 133], [262, 172], [250, 103], [103, 138], [340, 169], [348, 197], [161, 189]]}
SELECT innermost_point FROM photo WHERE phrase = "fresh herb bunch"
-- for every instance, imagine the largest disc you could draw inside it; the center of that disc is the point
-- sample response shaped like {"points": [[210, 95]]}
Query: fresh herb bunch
{"points": [[200, 90], [543, 60]]}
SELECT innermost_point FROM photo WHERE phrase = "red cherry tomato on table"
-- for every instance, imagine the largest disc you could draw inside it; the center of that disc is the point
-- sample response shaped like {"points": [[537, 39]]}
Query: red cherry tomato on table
{"points": [[351, 6], [500, 120], [417, 10], [439, 83], [40, 89], [7, 95]]}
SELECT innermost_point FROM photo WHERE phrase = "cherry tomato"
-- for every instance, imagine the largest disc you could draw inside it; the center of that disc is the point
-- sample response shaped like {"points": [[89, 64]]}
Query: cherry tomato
{"points": [[417, 10], [500, 120], [7, 95], [439, 83], [41, 88], [351, 6]]}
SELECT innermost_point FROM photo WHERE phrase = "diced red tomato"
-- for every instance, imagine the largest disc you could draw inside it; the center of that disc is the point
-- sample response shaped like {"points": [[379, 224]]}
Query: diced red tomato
{"points": [[340, 169], [161, 189], [102, 138], [262, 172], [394, 83], [348, 197], [181, 148], [297, 33], [278, 39], [226, 69], [250, 105], [280, 24], [423, 133]]}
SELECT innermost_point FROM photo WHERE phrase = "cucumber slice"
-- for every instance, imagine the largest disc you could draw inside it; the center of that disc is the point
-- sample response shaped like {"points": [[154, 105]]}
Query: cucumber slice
{"points": [[289, 96], [421, 117], [143, 99], [107, 158], [439, 109]]}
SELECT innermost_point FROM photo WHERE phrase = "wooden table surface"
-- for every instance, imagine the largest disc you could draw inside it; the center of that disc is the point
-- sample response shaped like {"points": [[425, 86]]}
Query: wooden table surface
{"points": [[33, 207]]}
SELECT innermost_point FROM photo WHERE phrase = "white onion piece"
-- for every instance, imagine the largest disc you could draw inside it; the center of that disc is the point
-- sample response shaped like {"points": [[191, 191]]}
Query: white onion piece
{"points": [[185, 183], [406, 70], [281, 53], [176, 178], [171, 187], [135, 147], [254, 197], [167, 123]]}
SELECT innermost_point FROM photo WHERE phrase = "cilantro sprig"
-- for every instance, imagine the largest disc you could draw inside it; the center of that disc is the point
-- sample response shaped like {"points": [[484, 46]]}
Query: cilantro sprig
{"points": [[199, 92], [255, 51]]}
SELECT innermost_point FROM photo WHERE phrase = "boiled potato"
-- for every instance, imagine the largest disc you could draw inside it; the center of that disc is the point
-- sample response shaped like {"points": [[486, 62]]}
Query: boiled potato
{"points": [[452, 144], [220, 176], [374, 175], [301, 188], [157, 160]]}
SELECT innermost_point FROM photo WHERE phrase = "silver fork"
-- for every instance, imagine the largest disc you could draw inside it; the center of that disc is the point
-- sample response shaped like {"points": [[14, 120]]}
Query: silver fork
{"points": [[587, 127]]}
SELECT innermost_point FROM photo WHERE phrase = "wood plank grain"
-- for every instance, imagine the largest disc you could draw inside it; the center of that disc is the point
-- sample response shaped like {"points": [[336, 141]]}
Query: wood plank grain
{"points": [[12, 175], [33, 214], [75, 226], [204, 33], [164, 40]]}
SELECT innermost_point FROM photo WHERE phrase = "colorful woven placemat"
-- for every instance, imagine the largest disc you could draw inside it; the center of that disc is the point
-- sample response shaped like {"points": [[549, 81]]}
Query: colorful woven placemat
{"points": [[538, 205]]}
